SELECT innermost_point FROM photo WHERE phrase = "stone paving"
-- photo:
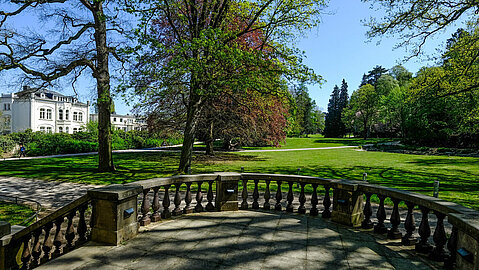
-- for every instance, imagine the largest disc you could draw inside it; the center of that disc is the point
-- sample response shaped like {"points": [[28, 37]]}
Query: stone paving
{"points": [[50, 194], [244, 240]]}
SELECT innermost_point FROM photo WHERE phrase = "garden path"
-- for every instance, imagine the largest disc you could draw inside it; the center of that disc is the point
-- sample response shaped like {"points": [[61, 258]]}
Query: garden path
{"points": [[50, 194]]}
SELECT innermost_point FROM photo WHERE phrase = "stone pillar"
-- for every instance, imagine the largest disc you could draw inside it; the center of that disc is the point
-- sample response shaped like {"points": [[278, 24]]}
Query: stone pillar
{"points": [[467, 249], [115, 213], [5, 228], [347, 204], [227, 191]]}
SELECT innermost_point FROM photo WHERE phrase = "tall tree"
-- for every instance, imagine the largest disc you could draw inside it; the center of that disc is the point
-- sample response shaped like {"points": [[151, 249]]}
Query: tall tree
{"points": [[363, 107], [373, 76], [206, 47], [74, 39], [304, 110], [333, 117], [343, 103]]}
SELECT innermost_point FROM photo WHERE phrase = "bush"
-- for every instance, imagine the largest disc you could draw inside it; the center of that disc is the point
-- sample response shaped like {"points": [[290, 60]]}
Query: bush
{"points": [[6, 144], [59, 143], [40, 144]]}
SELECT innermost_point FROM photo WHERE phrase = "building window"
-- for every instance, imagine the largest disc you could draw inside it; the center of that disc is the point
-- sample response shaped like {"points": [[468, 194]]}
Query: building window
{"points": [[75, 116], [49, 129], [114, 119], [60, 114], [67, 114], [42, 116], [6, 107], [67, 129], [74, 130], [121, 119], [80, 116], [49, 114], [42, 129], [8, 121], [60, 129]]}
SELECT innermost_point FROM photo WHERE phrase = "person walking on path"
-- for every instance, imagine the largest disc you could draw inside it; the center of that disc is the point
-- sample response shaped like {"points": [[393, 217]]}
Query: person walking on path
{"points": [[22, 150]]}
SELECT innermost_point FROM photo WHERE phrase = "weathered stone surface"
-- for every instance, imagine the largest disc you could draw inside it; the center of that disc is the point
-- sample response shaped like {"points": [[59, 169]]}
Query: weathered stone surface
{"points": [[5, 228], [243, 240], [347, 207], [113, 221]]}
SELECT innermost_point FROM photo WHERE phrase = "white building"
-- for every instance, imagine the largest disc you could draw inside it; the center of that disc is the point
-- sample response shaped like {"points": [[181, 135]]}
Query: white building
{"points": [[124, 122], [42, 110]]}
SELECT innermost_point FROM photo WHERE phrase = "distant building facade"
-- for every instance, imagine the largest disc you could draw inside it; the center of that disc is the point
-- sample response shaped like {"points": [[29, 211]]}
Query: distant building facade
{"points": [[124, 122], [42, 110]]}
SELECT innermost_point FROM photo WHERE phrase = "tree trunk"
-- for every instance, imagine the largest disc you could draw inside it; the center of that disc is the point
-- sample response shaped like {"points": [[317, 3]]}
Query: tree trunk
{"points": [[102, 75], [365, 122], [189, 136], [210, 140]]}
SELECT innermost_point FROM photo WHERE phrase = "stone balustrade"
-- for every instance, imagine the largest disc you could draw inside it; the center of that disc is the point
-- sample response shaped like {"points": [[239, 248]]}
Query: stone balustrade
{"points": [[48, 238], [115, 217]]}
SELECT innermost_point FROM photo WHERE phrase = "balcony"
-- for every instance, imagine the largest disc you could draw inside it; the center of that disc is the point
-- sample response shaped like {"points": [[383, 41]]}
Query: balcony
{"points": [[260, 226]]}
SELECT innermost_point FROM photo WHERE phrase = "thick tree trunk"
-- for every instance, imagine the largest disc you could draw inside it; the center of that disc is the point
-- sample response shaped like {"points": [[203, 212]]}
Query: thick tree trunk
{"points": [[209, 141], [189, 136], [102, 75]]}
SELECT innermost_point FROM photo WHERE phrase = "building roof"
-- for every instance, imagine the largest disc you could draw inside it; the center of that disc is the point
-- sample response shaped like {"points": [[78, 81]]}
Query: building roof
{"points": [[27, 91]]}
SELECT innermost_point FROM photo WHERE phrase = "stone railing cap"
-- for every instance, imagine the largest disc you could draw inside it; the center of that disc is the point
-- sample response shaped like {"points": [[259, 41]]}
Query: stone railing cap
{"points": [[468, 223], [115, 192]]}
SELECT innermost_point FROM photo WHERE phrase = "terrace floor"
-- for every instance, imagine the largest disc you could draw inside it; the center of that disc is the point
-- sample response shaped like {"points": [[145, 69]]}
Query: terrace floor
{"points": [[245, 240]]}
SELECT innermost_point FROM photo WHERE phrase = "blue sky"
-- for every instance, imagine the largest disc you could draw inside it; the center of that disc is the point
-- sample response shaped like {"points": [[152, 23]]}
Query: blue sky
{"points": [[338, 49]]}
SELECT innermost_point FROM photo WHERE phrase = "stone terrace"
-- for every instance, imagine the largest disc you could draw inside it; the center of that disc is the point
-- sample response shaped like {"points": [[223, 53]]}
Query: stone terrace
{"points": [[245, 240]]}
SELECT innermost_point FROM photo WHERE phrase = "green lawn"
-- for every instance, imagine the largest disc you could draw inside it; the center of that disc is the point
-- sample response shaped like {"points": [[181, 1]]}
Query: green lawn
{"points": [[14, 213], [317, 141], [459, 176]]}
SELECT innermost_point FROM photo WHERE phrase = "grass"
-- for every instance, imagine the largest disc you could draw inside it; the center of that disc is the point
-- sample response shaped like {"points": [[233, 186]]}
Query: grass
{"points": [[458, 176], [14, 213], [317, 141]]}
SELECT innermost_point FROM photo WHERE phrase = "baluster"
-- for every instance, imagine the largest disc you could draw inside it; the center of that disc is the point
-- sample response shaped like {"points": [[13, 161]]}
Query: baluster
{"points": [[314, 202], [188, 198], [452, 247], [209, 196], [199, 198], [267, 196], [440, 239], [26, 254], [255, 195], [290, 197], [368, 212], [410, 226], [82, 229], [37, 247], [145, 208], [302, 200], [424, 232], [177, 201], [244, 195], [70, 233], [156, 216], [166, 203], [381, 216], [279, 196], [326, 203], [47, 242], [57, 242], [395, 220]]}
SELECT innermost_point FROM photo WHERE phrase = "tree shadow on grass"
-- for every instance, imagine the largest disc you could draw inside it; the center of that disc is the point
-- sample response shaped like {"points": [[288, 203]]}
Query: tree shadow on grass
{"points": [[83, 169], [445, 161], [353, 142]]}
